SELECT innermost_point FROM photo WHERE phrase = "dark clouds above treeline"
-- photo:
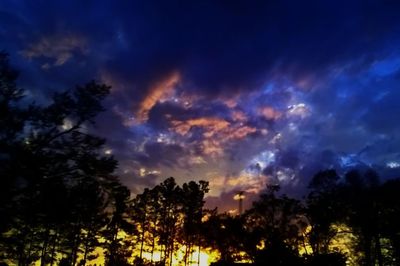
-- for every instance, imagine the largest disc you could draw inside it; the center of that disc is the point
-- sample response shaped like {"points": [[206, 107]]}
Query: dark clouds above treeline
{"points": [[236, 92]]}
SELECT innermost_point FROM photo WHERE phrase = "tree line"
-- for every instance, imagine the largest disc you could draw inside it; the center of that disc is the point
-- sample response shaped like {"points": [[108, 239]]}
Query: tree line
{"points": [[59, 199], [62, 204]]}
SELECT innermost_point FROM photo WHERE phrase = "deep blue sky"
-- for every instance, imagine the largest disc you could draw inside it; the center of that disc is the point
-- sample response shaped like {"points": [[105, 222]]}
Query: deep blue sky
{"points": [[239, 93]]}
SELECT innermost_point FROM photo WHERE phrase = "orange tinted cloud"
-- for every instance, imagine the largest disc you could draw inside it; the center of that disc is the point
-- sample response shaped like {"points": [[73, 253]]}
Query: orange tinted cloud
{"points": [[231, 103], [212, 147], [216, 132], [244, 182], [160, 91], [240, 132], [210, 124], [239, 116], [269, 113]]}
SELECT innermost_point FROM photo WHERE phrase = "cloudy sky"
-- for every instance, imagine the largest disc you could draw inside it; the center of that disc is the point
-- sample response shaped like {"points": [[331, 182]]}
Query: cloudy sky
{"points": [[239, 93]]}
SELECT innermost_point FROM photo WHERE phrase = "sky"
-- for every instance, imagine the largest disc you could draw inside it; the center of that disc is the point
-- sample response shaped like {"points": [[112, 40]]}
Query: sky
{"points": [[238, 93]]}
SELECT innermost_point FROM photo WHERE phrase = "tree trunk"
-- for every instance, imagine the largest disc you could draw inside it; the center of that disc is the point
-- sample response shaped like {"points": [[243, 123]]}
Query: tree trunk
{"points": [[190, 257], [163, 252], [171, 248], [186, 254], [152, 250], [171, 254], [44, 248], [86, 248], [367, 252], [198, 256], [53, 249], [141, 244], [20, 250], [28, 254], [378, 250], [74, 254]]}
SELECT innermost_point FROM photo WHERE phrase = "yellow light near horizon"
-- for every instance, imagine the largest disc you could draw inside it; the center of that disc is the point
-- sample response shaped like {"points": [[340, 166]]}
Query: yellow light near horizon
{"points": [[206, 257], [99, 252], [155, 257], [239, 197]]}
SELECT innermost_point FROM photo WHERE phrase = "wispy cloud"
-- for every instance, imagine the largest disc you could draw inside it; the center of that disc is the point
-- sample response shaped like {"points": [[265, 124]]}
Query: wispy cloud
{"points": [[58, 48], [161, 90]]}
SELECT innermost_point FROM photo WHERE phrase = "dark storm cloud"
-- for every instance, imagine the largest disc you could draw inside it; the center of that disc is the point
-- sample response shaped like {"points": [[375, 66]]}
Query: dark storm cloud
{"points": [[351, 126], [233, 46], [158, 154], [218, 45], [210, 85]]}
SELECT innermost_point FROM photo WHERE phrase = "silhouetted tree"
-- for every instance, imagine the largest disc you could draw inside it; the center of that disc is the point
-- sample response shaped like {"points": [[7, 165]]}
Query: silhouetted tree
{"points": [[12, 120], [324, 208], [224, 233], [326, 259], [53, 174], [390, 218], [169, 194], [86, 218], [280, 222], [359, 202], [363, 214], [192, 209], [142, 213], [116, 246]]}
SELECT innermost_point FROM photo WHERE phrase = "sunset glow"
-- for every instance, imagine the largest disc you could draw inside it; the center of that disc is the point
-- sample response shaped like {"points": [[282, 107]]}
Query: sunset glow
{"points": [[183, 133]]}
